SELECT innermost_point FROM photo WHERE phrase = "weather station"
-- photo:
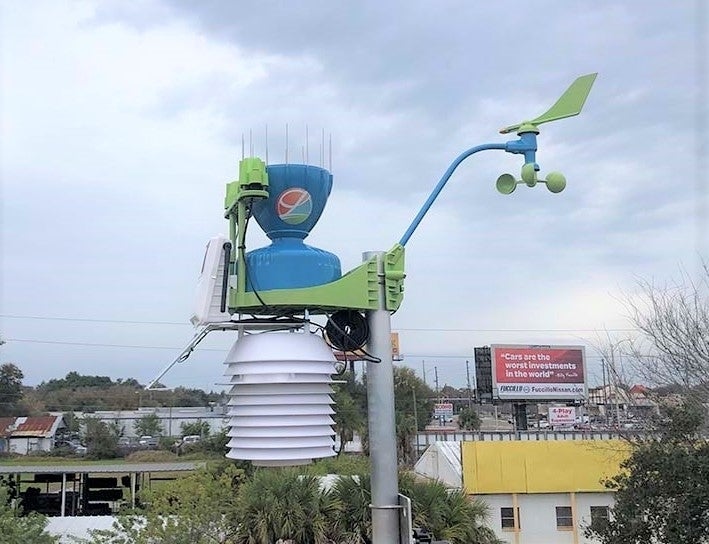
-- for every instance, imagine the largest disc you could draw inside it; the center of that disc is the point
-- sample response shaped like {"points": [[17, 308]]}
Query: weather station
{"points": [[282, 363]]}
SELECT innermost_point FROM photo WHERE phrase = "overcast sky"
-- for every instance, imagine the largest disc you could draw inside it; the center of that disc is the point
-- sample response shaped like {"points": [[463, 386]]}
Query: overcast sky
{"points": [[122, 121]]}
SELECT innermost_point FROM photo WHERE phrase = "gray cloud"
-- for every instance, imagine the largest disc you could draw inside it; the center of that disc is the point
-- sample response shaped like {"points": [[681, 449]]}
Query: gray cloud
{"points": [[120, 134]]}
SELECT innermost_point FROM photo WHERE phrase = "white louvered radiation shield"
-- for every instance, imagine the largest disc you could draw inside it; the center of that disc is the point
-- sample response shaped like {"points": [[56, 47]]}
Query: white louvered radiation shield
{"points": [[280, 406]]}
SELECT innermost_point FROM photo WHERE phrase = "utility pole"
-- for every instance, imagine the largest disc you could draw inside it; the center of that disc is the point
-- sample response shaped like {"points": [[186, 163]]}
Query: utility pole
{"points": [[416, 420], [435, 368], [423, 364], [470, 389], [615, 375], [605, 391]]}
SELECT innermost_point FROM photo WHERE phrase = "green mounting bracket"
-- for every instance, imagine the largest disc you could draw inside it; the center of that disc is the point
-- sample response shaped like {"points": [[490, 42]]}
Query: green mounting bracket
{"points": [[394, 277], [356, 290], [252, 183]]}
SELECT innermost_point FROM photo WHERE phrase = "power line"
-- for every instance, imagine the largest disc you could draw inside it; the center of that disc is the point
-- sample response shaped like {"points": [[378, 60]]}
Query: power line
{"points": [[130, 346], [92, 320], [408, 329], [100, 345]]}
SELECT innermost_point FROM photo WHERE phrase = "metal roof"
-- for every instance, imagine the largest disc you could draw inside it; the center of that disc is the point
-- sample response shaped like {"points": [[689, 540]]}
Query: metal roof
{"points": [[42, 426], [94, 468], [37, 426], [6, 422]]}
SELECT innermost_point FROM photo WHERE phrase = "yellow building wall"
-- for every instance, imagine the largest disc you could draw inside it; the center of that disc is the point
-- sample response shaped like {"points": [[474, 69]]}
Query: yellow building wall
{"points": [[545, 466]]}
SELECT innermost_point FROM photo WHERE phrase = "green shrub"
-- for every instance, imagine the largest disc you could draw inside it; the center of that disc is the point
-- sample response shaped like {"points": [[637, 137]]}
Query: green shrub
{"points": [[151, 456]]}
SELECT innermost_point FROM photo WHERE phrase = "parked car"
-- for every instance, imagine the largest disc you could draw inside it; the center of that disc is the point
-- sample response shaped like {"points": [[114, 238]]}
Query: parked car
{"points": [[191, 439], [148, 441]]}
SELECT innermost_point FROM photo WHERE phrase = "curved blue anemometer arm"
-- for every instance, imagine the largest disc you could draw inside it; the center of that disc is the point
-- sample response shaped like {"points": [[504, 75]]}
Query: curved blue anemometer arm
{"points": [[525, 145]]}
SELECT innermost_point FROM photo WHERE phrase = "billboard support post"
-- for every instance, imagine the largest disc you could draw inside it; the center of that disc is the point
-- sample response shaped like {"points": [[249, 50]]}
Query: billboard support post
{"points": [[519, 410]]}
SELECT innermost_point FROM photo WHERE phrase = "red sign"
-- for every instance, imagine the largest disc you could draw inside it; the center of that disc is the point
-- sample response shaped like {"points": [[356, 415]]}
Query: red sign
{"points": [[534, 372], [443, 408]]}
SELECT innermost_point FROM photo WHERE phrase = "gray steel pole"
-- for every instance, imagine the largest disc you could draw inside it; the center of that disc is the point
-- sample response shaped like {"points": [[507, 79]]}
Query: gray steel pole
{"points": [[470, 390], [617, 388], [382, 424]]}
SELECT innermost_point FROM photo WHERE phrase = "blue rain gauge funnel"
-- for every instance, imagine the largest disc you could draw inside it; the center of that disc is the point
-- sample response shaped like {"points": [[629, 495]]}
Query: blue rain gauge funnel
{"points": [[297, 197]]}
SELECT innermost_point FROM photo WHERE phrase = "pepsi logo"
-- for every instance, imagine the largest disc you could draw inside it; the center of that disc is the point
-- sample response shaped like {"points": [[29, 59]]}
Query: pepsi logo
{"points": [[294, 206]]}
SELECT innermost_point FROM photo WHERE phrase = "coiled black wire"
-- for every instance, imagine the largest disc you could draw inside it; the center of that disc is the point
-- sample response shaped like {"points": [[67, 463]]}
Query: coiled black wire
{"points": [[347, 330]]}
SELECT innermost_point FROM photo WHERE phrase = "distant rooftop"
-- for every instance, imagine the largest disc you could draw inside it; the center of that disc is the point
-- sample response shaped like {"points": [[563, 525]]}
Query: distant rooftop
{"points": [[89, 468], [42, 426]]}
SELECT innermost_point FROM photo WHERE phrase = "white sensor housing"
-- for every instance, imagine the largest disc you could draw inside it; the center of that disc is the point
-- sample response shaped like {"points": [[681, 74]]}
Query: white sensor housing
{"points": [[280, 403]]}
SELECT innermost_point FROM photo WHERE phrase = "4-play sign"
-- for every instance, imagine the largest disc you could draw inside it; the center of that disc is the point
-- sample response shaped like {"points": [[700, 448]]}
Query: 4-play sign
{"points": [[562, 416]]}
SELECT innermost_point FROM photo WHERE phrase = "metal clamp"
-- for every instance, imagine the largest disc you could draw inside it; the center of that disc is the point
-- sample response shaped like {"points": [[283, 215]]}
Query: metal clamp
{"points": [[386, 507]]}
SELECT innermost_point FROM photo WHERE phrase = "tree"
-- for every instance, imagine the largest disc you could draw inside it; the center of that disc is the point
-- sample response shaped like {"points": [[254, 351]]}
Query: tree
{"points": [[413, 406], [101, 441], [673, 347], [148, 425], [468, 419], [199, 428], [405, 437], [72, 422], [196, 509], [410, 391], [75, 380], [216, 443], [10, 388], [21, 529], [662, 492], [354, 492], [281, 504], [348, 417], [445, 513]]}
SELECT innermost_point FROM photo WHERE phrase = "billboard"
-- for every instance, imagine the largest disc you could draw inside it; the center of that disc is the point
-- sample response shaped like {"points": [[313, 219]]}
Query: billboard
{"points": [[522, 372], [562, 416]]}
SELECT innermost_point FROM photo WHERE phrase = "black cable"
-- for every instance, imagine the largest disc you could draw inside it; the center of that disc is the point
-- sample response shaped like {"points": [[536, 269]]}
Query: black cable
{"points": [[242, 254], [226, 248], [368, 356], [347, 330]]}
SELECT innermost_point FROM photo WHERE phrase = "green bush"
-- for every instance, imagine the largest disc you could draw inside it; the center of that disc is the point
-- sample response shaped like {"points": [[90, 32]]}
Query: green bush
{"points": [[344, 464], [151, 456]]}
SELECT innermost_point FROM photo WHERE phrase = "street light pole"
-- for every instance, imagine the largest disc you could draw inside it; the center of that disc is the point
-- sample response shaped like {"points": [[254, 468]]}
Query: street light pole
{"points": [[382, 422]]}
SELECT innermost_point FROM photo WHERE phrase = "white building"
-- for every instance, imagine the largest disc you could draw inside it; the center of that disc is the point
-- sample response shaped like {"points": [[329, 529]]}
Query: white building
{"points": [[538, 492], [23, 435], [171, 418]]}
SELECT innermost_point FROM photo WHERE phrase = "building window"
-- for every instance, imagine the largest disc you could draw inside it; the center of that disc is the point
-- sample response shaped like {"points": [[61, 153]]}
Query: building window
{"points": [[599, 515], [564, 517], [507, 517]]}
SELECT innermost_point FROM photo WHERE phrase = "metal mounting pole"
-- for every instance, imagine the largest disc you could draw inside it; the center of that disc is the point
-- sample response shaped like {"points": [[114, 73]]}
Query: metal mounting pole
{"points": [[382, 424]]}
